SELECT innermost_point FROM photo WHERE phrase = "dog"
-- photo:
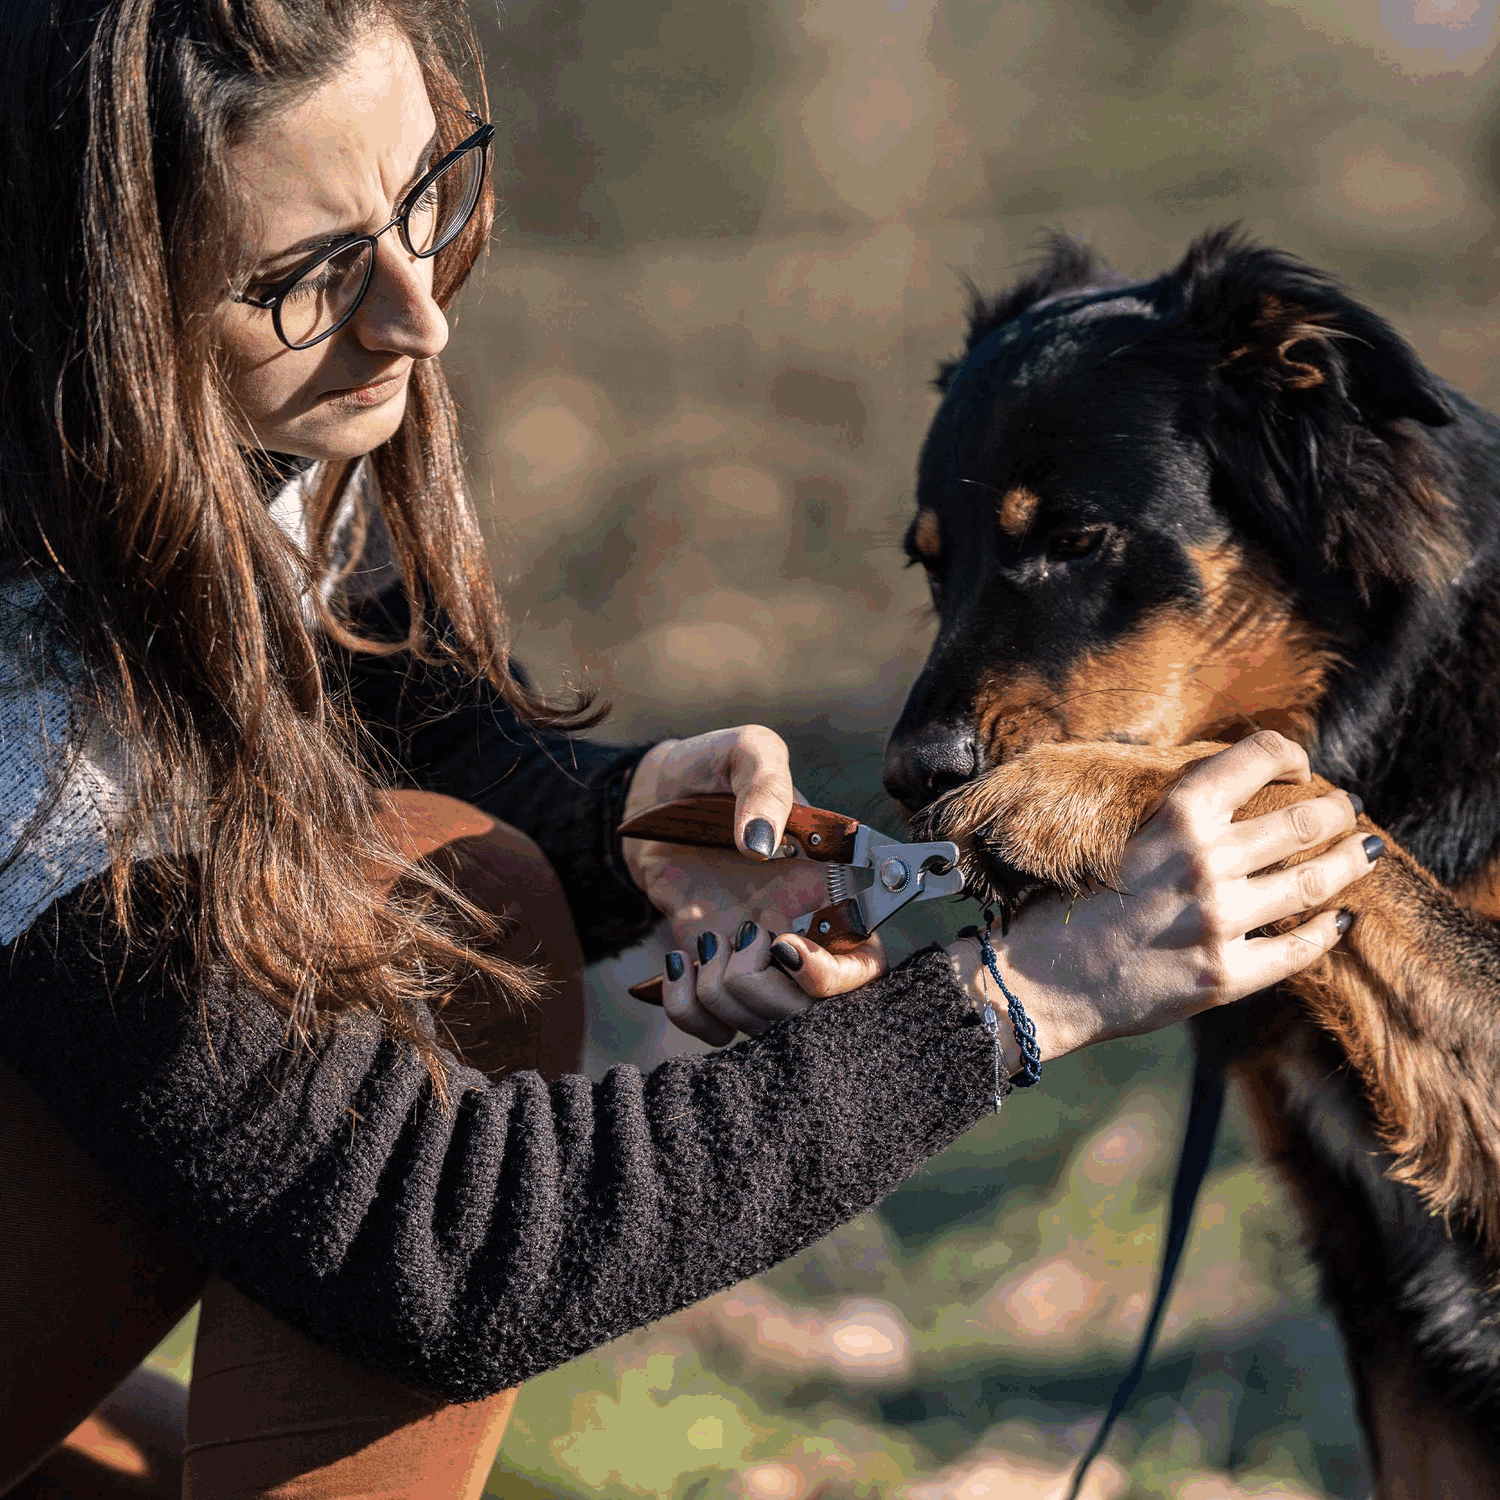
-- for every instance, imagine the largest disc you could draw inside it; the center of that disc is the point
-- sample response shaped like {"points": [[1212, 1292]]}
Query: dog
{"points": [[1158, 516]]}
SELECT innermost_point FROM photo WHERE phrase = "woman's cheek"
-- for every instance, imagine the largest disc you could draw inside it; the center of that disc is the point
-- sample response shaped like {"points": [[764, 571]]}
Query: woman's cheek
{"points": [[267, 383]]}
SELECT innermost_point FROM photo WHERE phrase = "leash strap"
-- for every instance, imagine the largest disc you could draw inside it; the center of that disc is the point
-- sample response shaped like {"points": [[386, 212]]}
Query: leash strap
{"points": [[1205, 1109]]}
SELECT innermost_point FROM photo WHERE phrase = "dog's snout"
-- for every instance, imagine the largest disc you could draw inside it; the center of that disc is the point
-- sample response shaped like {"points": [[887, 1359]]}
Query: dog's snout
{"points": [[920, 768]]}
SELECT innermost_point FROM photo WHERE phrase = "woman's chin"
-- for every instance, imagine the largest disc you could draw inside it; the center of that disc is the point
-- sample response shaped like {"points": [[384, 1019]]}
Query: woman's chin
{"points": [[342, 430]]}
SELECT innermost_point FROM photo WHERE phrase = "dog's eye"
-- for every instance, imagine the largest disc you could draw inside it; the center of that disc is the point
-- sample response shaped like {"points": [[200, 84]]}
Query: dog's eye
{"points": [[1068, 546]]}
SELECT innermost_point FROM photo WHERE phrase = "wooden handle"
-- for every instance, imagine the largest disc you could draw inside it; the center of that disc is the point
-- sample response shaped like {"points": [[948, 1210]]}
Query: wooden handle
{"points": [[648, 990], [706, 821], [839, 928]]}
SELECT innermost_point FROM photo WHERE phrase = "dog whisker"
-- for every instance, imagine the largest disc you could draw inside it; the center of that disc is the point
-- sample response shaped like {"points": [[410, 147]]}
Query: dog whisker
{"points": [[981, 485]]}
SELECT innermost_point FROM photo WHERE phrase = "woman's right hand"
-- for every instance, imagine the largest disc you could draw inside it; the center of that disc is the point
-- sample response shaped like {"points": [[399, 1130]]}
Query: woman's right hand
{"points": [[1118, 965]]}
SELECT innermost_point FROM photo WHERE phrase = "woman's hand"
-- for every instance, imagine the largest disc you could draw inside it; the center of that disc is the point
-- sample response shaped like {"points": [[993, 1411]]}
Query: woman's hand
{"points": [[747, 979], [751, 761], [1177, 943]]}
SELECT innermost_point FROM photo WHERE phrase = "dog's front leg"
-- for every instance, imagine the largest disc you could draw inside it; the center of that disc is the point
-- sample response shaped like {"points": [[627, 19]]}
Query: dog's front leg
{"points": [[1412, 995], [1056, 817]]}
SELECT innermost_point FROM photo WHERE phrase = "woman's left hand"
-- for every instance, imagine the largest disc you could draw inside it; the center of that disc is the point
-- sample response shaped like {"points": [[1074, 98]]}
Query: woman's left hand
{"points": [[715, 892]]}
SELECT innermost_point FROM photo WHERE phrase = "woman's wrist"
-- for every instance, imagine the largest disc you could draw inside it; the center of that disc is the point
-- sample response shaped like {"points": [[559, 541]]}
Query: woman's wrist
{"points": [[1061, 1015], [965, 954]]}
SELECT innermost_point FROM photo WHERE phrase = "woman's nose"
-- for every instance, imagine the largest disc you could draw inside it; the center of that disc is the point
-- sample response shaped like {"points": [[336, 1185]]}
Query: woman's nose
{"points": [[398, 314]]}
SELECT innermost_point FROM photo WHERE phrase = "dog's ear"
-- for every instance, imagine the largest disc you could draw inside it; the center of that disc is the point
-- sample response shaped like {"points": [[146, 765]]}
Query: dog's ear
{"points": [[1284, 326], [1308, 406], [1063, 265]]}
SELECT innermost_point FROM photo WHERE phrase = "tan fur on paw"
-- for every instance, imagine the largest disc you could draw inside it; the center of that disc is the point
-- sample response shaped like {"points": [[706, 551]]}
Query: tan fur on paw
{"points": [[1056, 817]]}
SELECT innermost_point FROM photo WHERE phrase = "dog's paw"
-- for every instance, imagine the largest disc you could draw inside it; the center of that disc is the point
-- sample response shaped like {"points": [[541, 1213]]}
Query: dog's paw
{"points": [[1056, 817]]}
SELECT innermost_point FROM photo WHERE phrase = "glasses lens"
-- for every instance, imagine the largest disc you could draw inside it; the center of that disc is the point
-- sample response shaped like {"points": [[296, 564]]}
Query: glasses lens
{"points": [[325, 294], [444, 206]]}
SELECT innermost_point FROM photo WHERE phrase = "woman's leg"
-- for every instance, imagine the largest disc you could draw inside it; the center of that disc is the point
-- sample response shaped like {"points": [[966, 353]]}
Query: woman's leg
{"points": [[500, 870], [274, 1415], [128, 1448], [89, 1285]]}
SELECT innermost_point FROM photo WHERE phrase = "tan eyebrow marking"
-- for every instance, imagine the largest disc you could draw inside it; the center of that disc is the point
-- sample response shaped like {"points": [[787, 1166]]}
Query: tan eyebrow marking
{"points": [[1017, 508], [927, 533]]}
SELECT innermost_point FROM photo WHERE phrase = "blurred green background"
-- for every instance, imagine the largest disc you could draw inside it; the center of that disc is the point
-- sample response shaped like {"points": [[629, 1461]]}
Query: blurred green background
{"points": [[733, 246]]}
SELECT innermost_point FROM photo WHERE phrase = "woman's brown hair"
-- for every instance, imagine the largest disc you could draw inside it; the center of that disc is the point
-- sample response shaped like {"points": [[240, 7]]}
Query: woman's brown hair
{"points": [[180, 610]]}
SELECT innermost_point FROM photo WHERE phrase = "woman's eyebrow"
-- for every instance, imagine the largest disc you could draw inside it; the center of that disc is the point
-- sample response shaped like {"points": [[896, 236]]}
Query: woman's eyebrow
{"points": [[314, 242]]}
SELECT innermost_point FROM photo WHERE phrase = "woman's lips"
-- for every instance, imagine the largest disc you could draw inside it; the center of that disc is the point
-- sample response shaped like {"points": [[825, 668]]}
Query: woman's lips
{"points": [[373, 393]]}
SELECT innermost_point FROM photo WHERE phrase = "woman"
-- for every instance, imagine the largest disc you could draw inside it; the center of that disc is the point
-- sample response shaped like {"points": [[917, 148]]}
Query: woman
{"points": [[234, 993]]}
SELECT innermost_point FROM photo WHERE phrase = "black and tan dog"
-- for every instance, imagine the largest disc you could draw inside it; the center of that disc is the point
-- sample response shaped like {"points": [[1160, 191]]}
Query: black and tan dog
{"points": [[1160, 515]]}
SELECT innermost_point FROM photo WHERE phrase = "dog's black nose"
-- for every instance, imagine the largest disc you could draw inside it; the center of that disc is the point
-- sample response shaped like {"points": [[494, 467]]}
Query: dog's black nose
{"points": [[921, 766]]}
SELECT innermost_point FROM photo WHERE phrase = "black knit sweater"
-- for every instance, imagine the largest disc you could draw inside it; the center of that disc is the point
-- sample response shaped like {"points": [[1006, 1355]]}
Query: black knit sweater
{"points": [[463, 1249]]}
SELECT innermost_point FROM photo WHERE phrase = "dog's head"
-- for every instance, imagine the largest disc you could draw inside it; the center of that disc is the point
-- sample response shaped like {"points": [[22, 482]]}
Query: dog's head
{"points": [[1153, 513]]}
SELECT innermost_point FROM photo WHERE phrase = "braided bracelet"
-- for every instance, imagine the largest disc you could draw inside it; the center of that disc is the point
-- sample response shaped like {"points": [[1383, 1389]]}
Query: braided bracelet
{"points": [[991, 1026], [1021, 1024]]}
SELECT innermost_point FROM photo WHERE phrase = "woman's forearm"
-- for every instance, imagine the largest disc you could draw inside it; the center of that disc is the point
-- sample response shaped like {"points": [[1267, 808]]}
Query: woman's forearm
{"points": [[464, 1249]]}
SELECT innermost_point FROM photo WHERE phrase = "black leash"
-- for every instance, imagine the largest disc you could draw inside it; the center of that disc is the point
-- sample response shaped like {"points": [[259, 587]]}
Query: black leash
{"points": [[1205, 1108]]}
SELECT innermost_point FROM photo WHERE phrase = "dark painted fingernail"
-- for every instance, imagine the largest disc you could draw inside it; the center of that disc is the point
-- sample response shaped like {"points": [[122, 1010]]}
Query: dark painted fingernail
{"points": [[708, 945], [745, 936], [786, 957], [1374, 847], [674, 966], [1358, 801], [760, 837], [1344, 921]]}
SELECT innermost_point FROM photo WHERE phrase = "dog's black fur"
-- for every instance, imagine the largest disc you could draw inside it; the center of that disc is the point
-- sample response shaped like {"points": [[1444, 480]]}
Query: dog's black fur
{"points": [[1240, 426]]}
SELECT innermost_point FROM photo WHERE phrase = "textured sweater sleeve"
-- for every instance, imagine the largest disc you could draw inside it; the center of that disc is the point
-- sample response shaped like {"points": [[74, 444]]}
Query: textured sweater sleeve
{"points": [[462, 1249], [443, 733]]}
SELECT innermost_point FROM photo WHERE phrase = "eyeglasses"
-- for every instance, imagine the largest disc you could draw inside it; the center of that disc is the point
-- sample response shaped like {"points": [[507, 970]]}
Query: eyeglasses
{"points": [[323, 293]]}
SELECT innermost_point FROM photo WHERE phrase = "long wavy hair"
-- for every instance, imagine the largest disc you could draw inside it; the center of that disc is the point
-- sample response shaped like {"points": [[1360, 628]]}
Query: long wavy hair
{"points": [[125, 489]]}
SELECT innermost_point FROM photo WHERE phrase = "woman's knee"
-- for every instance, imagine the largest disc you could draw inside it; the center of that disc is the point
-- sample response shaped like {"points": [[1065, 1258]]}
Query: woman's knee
{"points": [[503, 872], [273, 1414]]}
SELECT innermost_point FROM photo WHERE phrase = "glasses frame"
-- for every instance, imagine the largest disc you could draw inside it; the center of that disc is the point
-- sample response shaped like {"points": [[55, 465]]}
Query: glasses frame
{"points": [[272, 301]]}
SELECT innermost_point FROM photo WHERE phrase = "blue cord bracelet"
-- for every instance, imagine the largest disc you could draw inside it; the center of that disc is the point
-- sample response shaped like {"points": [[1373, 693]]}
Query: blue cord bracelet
{"points": [[1021, 1024]]}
